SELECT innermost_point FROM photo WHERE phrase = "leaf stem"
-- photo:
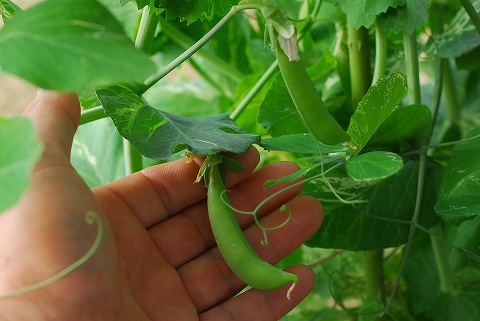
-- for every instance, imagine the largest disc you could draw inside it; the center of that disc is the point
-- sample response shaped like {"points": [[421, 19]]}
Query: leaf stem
{"points": [[414, 223], [255, 89], [380, 52], [359, 59], [92, 114], [472, 12], [201, 42], [172, 32], [146, 30], [412, 67], [441, 258], [133, 159], [374, 276]]}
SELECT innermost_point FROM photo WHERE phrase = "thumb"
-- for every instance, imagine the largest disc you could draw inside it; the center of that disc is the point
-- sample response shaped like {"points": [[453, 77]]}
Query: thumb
{"points": [[55, 117]]}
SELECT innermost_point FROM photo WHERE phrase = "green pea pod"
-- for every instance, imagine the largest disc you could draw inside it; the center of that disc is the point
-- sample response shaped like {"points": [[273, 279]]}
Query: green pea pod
{"points": [[236, 251], [309, 104]]}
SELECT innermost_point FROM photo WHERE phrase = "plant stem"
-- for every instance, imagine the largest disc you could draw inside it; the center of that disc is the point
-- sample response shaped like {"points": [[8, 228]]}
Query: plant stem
{"points": [[374, 276], [201, 42], [133, 159], [92, 114], [359, 59], [143, 41], [414, 223], [380, 52], [412, 67], [441, 258], [255, 89], [449, 92], [186, 42], [472, 12], [146, 30]]}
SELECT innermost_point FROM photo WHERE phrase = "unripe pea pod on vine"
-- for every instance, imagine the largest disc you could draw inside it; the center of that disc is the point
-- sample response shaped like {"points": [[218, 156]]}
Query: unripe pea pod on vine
{"points": [[237, 252], [310, 106]]}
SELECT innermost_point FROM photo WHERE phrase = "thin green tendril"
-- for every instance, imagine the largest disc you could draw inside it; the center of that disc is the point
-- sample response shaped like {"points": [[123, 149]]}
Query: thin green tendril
{"points": [[91, 217], [264, 229]]}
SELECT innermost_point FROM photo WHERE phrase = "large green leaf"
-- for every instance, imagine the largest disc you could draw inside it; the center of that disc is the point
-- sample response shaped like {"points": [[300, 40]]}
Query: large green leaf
{"points": [[460, 189], [384, 220], [158, 134], [377, 104], [406, 18], [192, 10], [423, 283], [19, 152], [404, 123], [363, 12], [69, 45]]}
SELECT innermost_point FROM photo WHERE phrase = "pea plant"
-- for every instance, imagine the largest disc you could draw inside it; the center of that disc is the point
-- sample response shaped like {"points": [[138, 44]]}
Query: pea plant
{"points": [[376, 101]]}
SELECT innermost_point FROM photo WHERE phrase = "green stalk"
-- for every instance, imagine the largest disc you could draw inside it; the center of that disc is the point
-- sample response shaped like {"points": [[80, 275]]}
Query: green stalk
{"points": [[143, 41], [92, 114], [186, 42], [450, 92], [443, 83], [470, 9], [255, 89], [374, 291], [412, 67], [360, 80], [441, 258], [359, 59], [380, 52], [146, 30], [201, 42]]}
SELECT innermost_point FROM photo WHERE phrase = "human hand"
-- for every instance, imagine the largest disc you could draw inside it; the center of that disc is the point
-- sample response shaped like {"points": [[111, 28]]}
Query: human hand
{"points": [[157, 259]]}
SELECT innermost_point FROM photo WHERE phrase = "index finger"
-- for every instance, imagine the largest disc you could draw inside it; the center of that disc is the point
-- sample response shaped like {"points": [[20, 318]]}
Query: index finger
{"points": [[158, 192]]}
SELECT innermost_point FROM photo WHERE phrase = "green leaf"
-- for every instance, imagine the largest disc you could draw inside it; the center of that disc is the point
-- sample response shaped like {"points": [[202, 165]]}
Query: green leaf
{"points": [[423, 283], [158, 134], [459, 38], [278, 114], [363, 12], [8, 9], [97, 153], [19, 153], [406, 18], [193, 10], [460, 188], [374, 165], [404, 123], [385, 220], [300, 143], [55, 47], [377, 104]]}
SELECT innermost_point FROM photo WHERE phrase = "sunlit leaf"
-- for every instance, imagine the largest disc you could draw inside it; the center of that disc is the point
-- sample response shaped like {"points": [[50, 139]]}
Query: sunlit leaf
{"points": [[377, 104], [19, 152], [57, 47], [158, 134], [374, 165]]}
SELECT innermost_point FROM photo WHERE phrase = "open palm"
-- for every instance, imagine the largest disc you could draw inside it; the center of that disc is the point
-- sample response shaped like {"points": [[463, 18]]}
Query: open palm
{"points": [[157, 259]]}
